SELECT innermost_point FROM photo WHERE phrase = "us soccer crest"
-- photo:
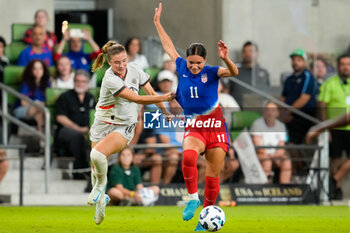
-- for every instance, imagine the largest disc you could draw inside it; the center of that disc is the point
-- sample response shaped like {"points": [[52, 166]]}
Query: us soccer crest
{"points": [[204, 78]]}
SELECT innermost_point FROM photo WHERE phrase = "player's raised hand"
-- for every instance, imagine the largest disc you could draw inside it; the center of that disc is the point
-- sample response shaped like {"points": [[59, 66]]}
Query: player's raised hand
{"points": [[87, 35], [222, 50], [157, 13], [65, 35]]}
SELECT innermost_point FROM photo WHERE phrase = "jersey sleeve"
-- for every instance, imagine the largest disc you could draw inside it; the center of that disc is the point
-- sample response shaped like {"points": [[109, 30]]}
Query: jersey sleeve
{"points": [[309, 85], [115, 85], [213, 72], [325, 94], [180, 65], [144, 78], [22, 60]]}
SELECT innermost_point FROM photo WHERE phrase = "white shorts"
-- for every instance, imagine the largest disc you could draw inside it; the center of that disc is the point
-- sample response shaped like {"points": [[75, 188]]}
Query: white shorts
{"points": [[100, 129]]}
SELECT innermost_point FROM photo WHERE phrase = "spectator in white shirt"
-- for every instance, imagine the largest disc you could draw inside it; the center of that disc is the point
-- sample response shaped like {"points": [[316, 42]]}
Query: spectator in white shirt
{"points": [[64, 77], [133, 48], [269, 131]]}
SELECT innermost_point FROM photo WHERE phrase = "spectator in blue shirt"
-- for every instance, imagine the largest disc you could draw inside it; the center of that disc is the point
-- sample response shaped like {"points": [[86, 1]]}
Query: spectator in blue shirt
{"points": [[36, 50], [78, 58], [299, 91], [35, 80]]}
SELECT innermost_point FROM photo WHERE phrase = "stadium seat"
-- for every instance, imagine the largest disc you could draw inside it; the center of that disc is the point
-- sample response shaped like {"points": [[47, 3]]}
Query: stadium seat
{"points": [[100, 73], [92, 117], [13, 50], [52, 95], [152, 71], [19, 30], [13, 75], [12, 78], [95, 92], [241, 120]]}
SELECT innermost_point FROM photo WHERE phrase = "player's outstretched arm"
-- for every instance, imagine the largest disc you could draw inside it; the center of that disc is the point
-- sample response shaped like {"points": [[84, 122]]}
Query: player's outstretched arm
{"points": [[150, 91], [329, 124], [231, 69], [128, 94], [168, 45]]}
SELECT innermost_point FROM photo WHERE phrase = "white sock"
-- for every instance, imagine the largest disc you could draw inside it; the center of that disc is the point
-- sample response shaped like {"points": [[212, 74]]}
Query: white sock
{"points": [[194, 196], [93, 177], [101, 167]]}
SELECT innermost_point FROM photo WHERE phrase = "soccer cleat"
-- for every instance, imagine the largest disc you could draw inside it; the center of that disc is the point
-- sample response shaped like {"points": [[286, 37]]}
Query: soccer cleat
{"points": [[100, 209], [199, 227], [95, 196], [190, 208]]}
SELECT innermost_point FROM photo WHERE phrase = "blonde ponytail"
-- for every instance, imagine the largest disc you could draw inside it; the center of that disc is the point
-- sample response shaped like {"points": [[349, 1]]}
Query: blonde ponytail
{"points": [[100, 60], [98, 63]]}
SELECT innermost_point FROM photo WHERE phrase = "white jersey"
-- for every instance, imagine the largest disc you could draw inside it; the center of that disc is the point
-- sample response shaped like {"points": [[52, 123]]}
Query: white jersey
{"points": [[116, 110]]}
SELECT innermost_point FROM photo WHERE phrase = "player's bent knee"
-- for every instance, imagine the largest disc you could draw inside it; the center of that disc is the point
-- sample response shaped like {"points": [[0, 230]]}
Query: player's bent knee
{"points": [[190, 158], [157, 158], [173, 159]]}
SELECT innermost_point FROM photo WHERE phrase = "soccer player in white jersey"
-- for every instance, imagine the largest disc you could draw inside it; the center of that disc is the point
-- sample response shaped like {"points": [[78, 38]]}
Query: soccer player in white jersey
{"points": [[116, 116]]}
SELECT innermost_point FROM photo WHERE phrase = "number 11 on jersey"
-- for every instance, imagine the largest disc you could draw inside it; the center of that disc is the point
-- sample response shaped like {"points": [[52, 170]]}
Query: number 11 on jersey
{"points": [[195, 92], [221, 136]]}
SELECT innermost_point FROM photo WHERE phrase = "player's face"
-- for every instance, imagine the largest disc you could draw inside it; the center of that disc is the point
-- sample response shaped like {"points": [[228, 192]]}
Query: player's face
{"points": [[344, 67], [41, 19], [321, 69], [81, 84], [118, 63], [165, 86], [64, 66], [75, 44], [126, 157], [271, 112], [134, 47], [38, 36], [298, 63], [195, 63], [249, 54], [38, 70]]}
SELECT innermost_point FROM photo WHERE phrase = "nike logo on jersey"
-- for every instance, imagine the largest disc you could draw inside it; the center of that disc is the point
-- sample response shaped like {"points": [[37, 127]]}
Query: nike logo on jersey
{"points": [[185, 76]]}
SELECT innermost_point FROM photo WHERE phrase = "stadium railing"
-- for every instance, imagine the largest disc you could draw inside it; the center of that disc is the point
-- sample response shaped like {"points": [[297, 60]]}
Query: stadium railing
{"points": [[21, 149], [322, 139], [6, 118]]}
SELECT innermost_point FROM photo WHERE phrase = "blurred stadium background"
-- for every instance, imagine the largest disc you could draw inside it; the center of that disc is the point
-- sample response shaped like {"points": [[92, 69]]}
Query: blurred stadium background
{"points": [[277, 27]]}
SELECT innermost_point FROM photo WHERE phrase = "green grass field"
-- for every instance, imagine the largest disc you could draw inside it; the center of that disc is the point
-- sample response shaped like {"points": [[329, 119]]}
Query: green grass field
{"points": [[168, 219]]}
